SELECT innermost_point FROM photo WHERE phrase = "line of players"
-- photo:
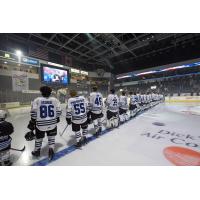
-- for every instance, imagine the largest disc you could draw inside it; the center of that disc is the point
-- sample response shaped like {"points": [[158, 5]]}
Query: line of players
{"points": [[46, 112]]}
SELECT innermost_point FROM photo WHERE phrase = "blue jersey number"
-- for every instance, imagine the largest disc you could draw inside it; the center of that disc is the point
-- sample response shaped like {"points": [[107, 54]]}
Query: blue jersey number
{"points": [[46, 111], [114, 102], [98, 101], [79, 108]]}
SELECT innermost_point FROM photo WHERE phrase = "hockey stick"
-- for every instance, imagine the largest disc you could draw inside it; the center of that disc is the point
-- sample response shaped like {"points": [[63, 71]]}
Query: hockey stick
{"points": [[103, 120], [18, 149], [64, 130]]}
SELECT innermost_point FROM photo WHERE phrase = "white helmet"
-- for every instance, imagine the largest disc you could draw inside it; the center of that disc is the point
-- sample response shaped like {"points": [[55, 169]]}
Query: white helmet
{"points": [[3, 114]]}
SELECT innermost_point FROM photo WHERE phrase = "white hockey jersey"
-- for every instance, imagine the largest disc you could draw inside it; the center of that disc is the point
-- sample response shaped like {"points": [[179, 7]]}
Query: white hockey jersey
{"points": [[138, 98], [144, 98], [45, 111], [123, 102], [141, 98], [77, 109], [96, 102], [156, 97], [161, 97], [133, 99], [153, 97], [112, 103], [148, 98]]}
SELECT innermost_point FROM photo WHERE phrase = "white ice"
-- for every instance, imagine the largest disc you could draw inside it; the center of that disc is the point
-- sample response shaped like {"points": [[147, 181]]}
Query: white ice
{"points": [[122, 146]]}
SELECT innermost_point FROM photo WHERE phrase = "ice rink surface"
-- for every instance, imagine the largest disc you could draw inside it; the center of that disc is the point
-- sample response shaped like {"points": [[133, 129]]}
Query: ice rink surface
{"points": [[167, 134]]}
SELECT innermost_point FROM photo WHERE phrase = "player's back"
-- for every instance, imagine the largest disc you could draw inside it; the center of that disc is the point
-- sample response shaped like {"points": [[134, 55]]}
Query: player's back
{"points": [[123, 102], [145, 98], [96, 102], [45, 111], [113, 102], [139, 98], [77, 108], [133, 99], [153, 97]]}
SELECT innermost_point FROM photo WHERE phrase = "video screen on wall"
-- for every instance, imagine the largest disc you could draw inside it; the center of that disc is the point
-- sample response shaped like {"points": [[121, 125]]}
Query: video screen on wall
{"points": [[54, 75]]}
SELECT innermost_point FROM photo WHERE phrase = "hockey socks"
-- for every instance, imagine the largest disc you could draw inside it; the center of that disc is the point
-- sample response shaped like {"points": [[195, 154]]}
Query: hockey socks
{"points": [[38, 144], [51, 141]]}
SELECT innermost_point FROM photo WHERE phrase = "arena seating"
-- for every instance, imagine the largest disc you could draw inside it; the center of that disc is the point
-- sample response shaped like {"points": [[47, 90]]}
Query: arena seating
{"points": [[169, 86]]}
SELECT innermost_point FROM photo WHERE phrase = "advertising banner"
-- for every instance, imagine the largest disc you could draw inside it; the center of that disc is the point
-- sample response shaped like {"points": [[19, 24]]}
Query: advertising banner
{"points": [[8, 56], [29, 61], [19, 81]]}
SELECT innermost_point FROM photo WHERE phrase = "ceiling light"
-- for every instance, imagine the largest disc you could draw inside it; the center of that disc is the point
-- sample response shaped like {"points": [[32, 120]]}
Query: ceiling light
{"points": [[18, 53], [5, 62]]}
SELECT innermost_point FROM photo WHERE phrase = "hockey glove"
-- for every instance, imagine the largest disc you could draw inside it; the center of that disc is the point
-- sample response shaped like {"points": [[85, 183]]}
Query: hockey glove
{"points": [[29, 136], [31, 125]]}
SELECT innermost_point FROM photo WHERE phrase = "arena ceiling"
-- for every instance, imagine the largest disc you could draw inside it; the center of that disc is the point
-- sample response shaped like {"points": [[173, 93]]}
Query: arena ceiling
{"points": [[116, 52]]}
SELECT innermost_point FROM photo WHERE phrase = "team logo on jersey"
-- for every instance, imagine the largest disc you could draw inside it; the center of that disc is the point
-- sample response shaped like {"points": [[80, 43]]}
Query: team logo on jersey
{"points": [[182, 156]]}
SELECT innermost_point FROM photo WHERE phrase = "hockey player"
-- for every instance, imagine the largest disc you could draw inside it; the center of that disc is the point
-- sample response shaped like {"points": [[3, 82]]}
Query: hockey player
{"points": [[96, 110], [145, 101], [143, 97], [133, 104], [142, 102], [45, 114], [162, 98], [123, 107], [76, 114], [6, 129], [139, 101], [154, 98], [148, 100], [112, 103]]}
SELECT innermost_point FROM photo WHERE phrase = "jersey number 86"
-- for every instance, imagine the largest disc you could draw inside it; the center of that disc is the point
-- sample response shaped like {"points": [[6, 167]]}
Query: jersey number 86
{"points": [[46, 111]]}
